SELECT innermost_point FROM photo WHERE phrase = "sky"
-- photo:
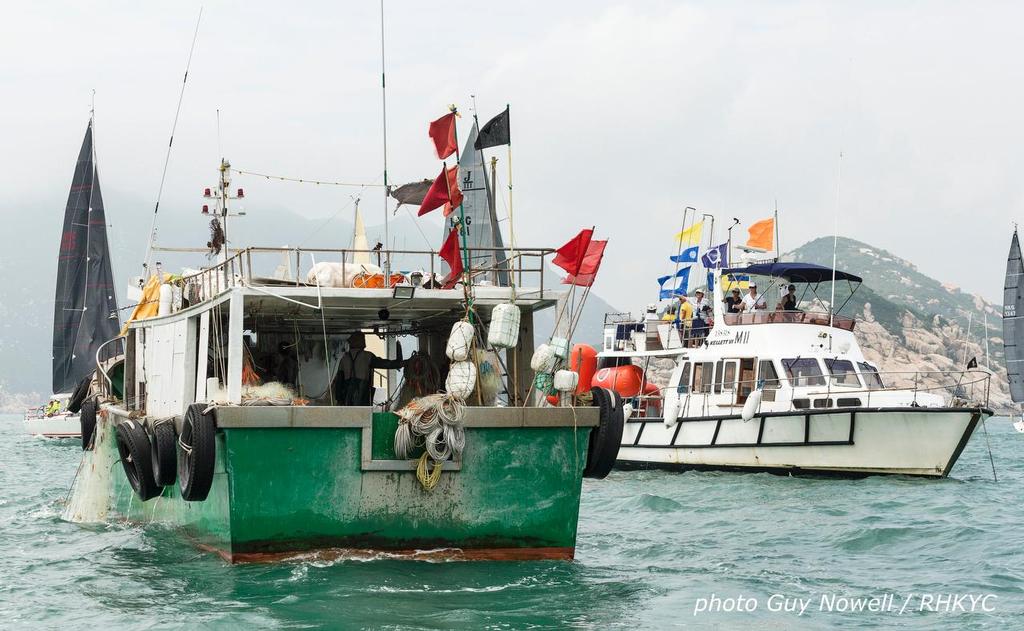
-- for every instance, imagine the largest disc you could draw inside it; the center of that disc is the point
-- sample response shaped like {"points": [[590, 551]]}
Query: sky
{"points": [[623, 114]]}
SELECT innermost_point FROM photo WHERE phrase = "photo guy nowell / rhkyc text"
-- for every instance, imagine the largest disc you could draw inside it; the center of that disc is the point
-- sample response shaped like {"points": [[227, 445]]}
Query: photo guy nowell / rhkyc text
{"points": [[838, 603]]}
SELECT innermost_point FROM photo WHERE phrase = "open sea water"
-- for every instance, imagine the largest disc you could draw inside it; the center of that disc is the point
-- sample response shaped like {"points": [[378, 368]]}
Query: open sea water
{"points": [[653, 548]]}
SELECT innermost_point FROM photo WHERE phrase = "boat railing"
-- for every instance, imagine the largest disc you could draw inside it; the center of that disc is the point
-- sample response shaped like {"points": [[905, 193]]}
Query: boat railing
{"points": [[962, 388], [276, 267], [791, 317]]}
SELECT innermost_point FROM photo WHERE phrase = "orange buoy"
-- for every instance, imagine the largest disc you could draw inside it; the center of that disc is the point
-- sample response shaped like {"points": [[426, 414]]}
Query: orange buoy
{"points": [[583, 361], [626, 380]]}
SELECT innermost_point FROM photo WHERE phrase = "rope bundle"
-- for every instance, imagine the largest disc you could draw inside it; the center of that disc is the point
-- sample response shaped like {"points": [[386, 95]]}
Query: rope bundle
{"points": [[435, 422]]}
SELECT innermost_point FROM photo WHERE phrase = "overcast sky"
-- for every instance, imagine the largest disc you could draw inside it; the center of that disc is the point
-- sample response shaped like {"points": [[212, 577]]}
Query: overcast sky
{"points": [[623, 113]]}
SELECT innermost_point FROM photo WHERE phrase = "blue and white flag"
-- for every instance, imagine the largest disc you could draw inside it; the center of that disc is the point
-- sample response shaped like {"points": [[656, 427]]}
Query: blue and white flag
{"points": [[717, 257], [680, 290], [689, 255]]}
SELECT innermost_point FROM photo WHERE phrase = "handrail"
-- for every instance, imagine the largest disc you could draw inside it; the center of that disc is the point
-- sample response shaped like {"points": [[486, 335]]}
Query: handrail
{"points": [[99, 364], [956, 381]]}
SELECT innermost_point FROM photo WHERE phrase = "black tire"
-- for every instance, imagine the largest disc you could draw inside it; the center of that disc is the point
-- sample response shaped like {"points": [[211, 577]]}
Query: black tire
{"points": [[197, 453], [78, 396], [606, 438], [163, 452], [87, 422], [133, 446]]}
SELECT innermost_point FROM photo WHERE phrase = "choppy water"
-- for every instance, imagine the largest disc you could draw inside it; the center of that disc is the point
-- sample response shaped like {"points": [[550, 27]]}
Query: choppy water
{"points": [[650, 545]]}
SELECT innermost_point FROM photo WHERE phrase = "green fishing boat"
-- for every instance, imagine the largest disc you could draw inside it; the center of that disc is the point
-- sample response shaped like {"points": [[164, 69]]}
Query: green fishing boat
{"points": [[274, 414]]}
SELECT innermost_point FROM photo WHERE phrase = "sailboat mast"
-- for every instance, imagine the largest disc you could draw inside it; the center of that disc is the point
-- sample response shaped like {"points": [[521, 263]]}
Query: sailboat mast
{"points": [[384, 124]]}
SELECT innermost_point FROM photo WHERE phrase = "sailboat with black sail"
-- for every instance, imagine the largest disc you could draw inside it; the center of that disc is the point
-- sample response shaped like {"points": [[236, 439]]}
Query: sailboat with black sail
{"points": [[1013, 332], [85, 307]]}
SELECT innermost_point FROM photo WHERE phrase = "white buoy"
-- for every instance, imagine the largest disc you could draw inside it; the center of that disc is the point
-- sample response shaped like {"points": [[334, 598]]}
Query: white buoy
{"points": [[166, 295], [751, 407]]}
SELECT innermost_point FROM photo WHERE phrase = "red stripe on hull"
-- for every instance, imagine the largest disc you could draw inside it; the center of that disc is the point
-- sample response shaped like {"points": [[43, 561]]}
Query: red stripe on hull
{"points": [[445, 554]]}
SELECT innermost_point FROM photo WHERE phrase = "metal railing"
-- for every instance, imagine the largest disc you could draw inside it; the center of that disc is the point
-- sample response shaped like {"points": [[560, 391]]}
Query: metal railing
{"points": [[526, 267], [966, 388]]}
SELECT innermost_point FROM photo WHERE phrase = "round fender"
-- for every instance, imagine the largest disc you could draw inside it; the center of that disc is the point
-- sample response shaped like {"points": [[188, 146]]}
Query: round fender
{"points": [[87, 422], [197, 453], [133, 447], [78, 396], [606, 438], [164, 441]]}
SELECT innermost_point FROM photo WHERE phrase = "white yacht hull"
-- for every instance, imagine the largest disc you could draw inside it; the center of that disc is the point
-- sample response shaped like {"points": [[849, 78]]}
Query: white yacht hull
{"points": [[59, 426], [851, 442]]}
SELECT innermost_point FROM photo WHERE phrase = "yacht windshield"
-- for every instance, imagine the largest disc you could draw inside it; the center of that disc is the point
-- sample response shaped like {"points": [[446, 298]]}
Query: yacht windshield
{"points": [[842, 372], [871, 377], [803, 371]]}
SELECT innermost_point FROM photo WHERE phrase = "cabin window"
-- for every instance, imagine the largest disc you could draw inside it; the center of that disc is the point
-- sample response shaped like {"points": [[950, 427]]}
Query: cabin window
{"points": [[725, 376], [702, 377], [823, 403], [871, 377], [801, 404], [768, 379], [848, 402], [842, 372], [803, 371], [684, 380]]}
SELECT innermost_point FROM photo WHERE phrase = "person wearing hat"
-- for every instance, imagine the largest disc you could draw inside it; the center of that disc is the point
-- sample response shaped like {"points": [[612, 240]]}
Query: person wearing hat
{"points": [[698, 302], [752, 302], [734, 303], [353, 384]]}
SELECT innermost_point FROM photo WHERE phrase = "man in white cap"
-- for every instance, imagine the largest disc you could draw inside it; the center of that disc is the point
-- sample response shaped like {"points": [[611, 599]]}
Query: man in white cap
{"points": [[752, 302]]}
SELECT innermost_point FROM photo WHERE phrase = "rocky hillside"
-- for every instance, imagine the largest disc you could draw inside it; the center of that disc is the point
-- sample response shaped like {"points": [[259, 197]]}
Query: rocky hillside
{"points": [[911, 322]]}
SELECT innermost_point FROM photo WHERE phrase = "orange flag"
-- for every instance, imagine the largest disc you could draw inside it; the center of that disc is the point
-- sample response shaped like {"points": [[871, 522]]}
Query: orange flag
{"points": [[762, 234]]}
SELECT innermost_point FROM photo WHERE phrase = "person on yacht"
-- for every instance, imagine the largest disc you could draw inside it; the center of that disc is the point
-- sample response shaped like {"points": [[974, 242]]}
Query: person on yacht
{"points": [[698, 302], [734, 303], [752, 302], [789, 301]]}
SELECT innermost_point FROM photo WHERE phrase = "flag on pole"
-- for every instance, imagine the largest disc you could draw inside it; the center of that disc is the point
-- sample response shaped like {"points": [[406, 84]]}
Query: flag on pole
{"points": [[570, 256], [716, 257], [451, 255], [762, 235], [689, 255], [442, 132], [495, 132], [443, 191], [589, 266], [681, 290], [691, 235]]}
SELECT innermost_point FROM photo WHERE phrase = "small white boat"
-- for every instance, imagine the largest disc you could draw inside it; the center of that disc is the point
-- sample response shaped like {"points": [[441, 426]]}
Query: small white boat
{"points": [[782, 391], [61, 425]]}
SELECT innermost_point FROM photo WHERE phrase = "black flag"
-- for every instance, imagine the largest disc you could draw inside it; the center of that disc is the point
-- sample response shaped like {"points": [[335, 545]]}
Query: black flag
{"points": [[494, 133], [971, 365]]}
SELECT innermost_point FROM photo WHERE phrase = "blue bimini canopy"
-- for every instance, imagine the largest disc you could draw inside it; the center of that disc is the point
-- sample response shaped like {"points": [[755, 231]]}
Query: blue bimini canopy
{"points": [[794, 272]]}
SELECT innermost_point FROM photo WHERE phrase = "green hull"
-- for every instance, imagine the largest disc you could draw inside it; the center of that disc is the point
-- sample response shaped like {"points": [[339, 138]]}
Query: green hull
{"points": [[284, 486]]}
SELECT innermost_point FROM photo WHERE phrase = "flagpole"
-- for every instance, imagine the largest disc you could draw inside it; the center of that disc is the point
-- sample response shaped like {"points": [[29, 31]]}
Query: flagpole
{"points": [[511, 225], [462, 213], [778, 248]]}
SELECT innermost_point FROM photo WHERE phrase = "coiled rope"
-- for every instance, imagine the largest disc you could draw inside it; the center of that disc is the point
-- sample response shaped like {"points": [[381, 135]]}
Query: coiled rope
{"points": [[434, 422]]}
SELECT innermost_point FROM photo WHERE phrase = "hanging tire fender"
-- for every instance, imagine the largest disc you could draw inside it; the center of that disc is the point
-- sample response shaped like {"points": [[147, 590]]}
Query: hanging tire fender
{"points": [[163, 442], [606, 438], [133, 448], [197, 453], [87, 422], [78, 396]]}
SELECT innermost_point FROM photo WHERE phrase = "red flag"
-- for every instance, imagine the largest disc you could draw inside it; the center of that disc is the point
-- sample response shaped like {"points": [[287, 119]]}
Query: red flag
{"points": [[442, 192], [451, 254], [588, 268], [570, 256], [442, 132]]}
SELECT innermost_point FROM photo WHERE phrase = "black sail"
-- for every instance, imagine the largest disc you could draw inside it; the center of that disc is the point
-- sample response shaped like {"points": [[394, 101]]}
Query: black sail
{"points": [[85, 307], [1013, 310]]}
